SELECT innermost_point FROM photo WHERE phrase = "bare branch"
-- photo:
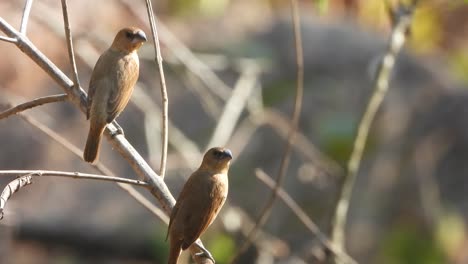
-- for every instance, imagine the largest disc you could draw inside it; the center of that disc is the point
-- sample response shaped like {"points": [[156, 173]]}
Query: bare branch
{"points": [[234, 106], [304, 218], [7, 39], [75, 175], [98, 166], [25, 17], [78, 97], [36, 102], [265, 212], [11, 188], [381, 83], [69, 39], [162, 79], [186, 56]]}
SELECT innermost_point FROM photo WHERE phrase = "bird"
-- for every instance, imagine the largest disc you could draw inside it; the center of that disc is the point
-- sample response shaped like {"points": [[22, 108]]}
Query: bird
{"points": [[199, 202], [111, 85]]}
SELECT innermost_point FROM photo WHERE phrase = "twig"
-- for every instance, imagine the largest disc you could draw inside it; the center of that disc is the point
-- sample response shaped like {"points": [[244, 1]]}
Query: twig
{"points": [[234, 106], [98, 166], [78, 97], [265, 212], [162, 80], [75, 175], [69, 39], [7, 39], [380, 85], [178, 140], [186, 56], [25, 17], [11, 188], [30, 104], [304, 218]]}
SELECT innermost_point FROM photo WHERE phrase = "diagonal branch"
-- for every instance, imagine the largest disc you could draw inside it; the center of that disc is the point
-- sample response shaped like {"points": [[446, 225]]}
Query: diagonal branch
{"points": [[162, 80], [75, 175], [78, 97], [234, 105], [304, 218], [265, 212], [381, 84], [98, 166], [13, 187], [36, 102]]}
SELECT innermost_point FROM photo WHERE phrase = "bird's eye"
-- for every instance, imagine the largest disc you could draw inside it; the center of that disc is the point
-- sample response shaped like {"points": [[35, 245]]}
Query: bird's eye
{"points": [[129, 35], [217, 153]]}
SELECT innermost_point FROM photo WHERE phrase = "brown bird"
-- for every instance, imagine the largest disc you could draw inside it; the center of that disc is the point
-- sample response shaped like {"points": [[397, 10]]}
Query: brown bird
{"points": [[111, 85], [199, 202]]}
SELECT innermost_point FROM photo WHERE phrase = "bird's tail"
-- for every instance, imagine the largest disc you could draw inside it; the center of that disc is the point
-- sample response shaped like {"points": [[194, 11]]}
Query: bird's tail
{"points": [[174, 252], [91, 150]]}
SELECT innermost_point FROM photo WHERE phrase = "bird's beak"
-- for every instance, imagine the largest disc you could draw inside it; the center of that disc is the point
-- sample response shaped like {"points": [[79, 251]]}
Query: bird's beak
{"points": [[227, 153], [140, 36]]}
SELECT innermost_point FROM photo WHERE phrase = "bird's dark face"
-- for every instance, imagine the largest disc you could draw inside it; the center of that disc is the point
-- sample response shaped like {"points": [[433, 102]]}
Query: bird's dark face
{"points": [[135, 35], [220, 154], [217, 160], [129, 39]]}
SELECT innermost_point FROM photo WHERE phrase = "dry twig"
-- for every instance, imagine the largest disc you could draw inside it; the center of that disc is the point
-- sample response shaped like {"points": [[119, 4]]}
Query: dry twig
{"points": [[162, 80], [75, 175], [30, 104], [381, 84], [11, 188], [69, 39], [25, 17], [265, 212], [304, 218]]}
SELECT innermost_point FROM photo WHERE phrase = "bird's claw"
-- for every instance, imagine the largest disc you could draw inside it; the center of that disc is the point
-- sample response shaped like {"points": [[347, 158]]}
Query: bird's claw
{"points": [[118, 131], [205, 253]]}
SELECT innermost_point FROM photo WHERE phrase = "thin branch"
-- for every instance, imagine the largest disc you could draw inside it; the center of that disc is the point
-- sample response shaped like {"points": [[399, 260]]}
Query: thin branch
{"points": [[234, 106], [265, 212], [25, 17], [98, 166], [12, 188], [36, 102], [78, 97], [162, 80], [185, 56], [7, 39], [69, 39], [380, 85], [75, 175], [304, 218]]}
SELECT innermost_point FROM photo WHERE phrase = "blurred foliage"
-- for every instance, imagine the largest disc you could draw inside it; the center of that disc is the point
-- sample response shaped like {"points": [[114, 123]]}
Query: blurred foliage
{"points": [[198, 7], [159, 243], [450, 232], [409, 245], [336, 135], [222, 247]]}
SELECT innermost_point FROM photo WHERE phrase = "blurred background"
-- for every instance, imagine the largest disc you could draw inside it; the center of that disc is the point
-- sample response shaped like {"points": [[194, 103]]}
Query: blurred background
{"points": [[410, 201]]}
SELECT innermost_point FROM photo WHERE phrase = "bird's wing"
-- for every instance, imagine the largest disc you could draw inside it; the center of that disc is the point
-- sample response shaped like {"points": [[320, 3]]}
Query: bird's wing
{"points": [[125, 78], [173, 215], [196, 224], [98, 73]]}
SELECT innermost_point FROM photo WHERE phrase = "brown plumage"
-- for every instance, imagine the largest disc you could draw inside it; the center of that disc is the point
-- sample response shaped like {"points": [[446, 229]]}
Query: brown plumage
{"points": [[199, 202], [111, 85]]}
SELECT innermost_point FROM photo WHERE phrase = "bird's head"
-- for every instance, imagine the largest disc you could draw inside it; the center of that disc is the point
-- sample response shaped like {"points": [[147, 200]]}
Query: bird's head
{"points": [[129, 39], [217, 160]]}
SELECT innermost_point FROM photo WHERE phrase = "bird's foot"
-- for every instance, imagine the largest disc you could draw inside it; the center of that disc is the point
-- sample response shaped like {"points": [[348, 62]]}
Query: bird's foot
{"points": [[119, 129], [205, 253]]}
